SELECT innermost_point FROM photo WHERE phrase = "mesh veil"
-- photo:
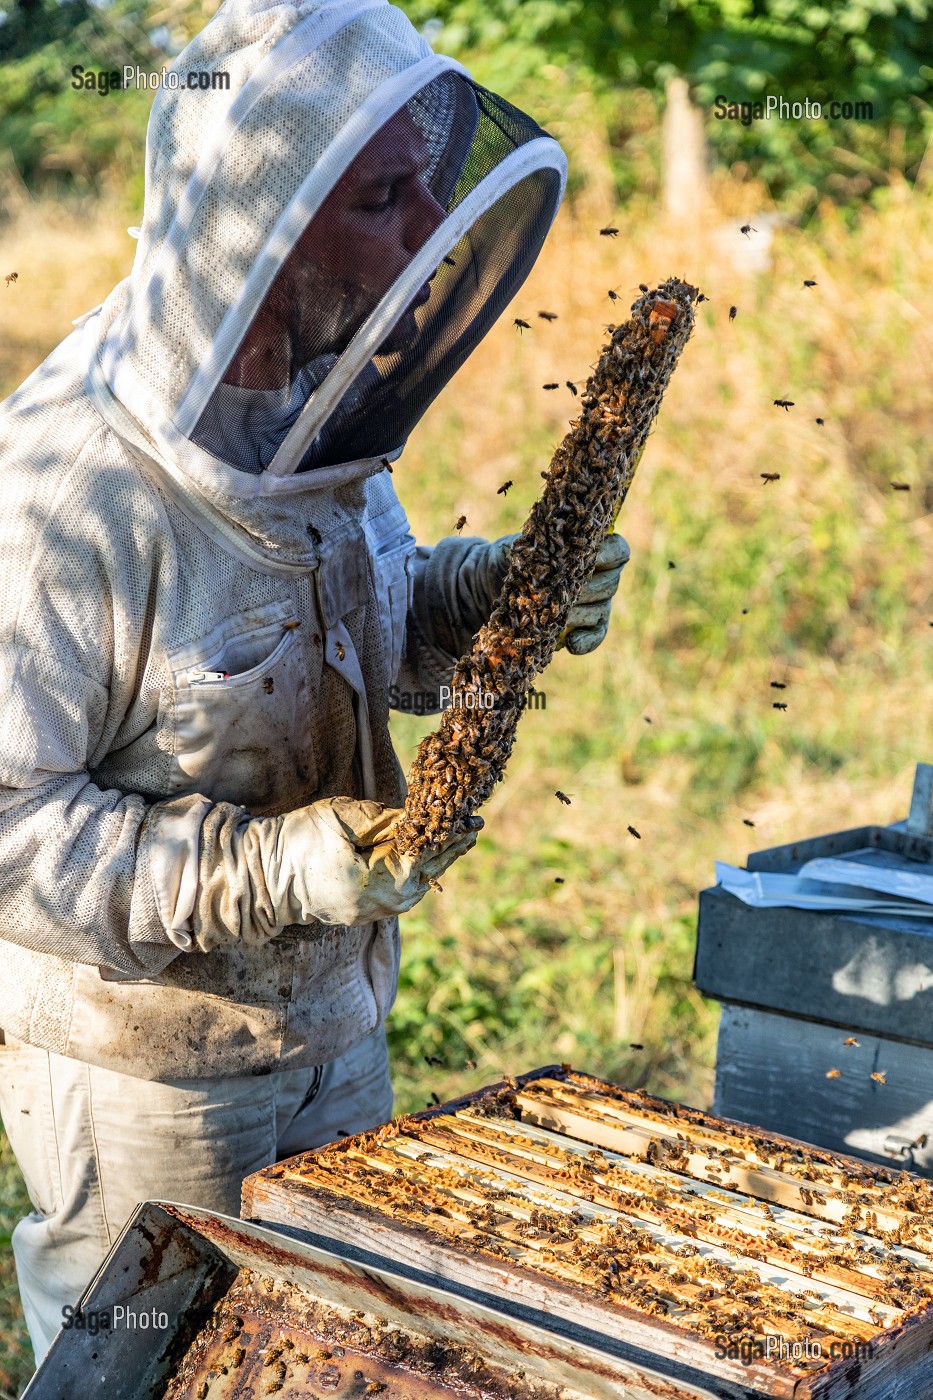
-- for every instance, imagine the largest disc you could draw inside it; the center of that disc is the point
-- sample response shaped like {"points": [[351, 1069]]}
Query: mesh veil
{"points": [[351, 278]]}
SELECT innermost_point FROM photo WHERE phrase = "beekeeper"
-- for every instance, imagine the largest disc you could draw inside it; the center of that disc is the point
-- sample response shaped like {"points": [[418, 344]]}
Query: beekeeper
{"points": [[211, 588]]}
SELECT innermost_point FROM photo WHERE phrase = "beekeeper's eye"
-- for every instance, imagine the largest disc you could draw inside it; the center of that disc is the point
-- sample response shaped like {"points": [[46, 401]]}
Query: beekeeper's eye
{"points": [[384, 204]]}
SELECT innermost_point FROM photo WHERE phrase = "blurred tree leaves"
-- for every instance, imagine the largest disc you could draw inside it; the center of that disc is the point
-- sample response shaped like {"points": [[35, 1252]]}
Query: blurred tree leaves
{"points": [[542, 54], [880, 51]]}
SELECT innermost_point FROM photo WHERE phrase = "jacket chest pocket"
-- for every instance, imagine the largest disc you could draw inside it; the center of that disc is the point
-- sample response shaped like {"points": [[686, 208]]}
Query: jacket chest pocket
{"points": [[241, 713], [389, 557]]}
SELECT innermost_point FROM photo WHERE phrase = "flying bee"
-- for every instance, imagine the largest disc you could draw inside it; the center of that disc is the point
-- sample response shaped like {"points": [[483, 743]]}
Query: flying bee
{"points": [[559, 880], [609, 232], [562, 797], [808, 282], [747, 821], [901, 485], [636, 1046], [435, 1061], [632, 832], [879, 1076], [833, 1073], [438, 888], [733, 312], [341, 652], [778, 705], [701, 296], [435, 1100], [504, 488], [671, 564], [547, 315], [643, 287], [572, 387], [521, 326], [820, 422], [784, 403], [648, 720], [769, 476], [851, 1040], [10, 277], [550, 386], [613, 296], [460, 524], [778, 685], [747, 229]]}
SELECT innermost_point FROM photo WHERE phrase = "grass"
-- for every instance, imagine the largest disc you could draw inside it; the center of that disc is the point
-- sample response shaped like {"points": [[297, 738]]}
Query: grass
{"points": [[820, 580]]}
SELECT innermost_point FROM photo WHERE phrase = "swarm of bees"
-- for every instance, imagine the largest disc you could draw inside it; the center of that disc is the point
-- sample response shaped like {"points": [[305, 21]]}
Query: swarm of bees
{"points": [[457, 767]]}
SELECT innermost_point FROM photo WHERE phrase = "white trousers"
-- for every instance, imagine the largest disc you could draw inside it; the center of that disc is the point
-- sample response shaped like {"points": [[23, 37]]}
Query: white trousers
{"points": [[92, 1144]]}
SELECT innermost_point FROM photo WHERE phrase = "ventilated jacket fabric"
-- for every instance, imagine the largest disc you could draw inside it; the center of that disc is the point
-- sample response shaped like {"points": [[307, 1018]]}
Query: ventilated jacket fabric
{"points": [[140, 568]]}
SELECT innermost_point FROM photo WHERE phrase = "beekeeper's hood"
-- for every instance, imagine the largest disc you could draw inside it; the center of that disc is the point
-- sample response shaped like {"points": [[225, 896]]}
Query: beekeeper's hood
{"points": [[322, 245]]}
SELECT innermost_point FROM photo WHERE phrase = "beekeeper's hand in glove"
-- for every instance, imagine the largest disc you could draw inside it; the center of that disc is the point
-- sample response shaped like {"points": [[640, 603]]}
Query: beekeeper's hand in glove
{"points": [[589, 618], [333, 862]]}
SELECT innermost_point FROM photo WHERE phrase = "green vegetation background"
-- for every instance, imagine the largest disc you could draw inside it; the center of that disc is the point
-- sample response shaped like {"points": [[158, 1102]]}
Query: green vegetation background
{"points": [[562, 937]]}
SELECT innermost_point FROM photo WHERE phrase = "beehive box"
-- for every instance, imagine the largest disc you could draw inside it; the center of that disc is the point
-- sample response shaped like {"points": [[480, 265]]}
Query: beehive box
{"points": [[709, 1258], [191, 1305]]}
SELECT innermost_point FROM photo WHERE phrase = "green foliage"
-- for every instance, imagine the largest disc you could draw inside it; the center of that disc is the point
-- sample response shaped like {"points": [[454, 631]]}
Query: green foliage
{"points": [[877, 51], [54, 134]]}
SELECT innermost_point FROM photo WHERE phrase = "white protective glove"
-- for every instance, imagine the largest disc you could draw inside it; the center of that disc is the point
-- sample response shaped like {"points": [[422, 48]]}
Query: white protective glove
{"points": [[588, 622], [336, 862]]}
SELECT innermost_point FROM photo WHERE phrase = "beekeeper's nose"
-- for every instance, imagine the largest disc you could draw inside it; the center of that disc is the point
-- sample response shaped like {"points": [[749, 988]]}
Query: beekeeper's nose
{"points": [[424, 217]]}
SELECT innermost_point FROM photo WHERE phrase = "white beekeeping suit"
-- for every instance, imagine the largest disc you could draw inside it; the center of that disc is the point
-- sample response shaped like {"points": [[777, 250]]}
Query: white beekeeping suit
{"points": [[213, 581]]}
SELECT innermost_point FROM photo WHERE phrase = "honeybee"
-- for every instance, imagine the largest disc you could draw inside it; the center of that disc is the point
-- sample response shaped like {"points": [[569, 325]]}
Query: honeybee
{"points": [[633, 832], [559, 880], [609, 232], [733, 312], [879, 1076], [820, 422], [671, 564], [701, 296], [643, 287], [550, 386], [547, 315], [901, 485], [341, 651], [504, 488], [572, 387], [778, 705], [747, 821], [613, 296], [770, 476], [778, 685], [784, 403], [833, 1073], [460, 524], [10, 277], [851, 1040], [747, 229], [808, 282], [562, 797], [520, 325]]}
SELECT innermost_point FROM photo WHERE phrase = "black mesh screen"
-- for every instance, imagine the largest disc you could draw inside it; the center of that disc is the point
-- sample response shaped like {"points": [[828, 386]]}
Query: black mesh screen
{"points": [[417, 168]]}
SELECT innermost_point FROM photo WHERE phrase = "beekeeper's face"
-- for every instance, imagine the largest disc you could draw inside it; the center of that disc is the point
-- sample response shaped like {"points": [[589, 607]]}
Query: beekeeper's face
{"points": [[363, 236]]}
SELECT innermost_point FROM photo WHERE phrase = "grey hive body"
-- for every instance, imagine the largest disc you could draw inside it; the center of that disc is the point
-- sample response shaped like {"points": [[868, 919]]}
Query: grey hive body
{"points": [[797, 984]]}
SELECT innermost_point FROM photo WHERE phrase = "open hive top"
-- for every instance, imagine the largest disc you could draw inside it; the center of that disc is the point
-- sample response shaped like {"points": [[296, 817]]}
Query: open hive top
{"points": [[641, 1211], [267, 1337]]}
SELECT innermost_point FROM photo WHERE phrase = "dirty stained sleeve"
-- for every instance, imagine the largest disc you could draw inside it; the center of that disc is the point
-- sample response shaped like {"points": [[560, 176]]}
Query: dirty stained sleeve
{"points": [[454, 586]]}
